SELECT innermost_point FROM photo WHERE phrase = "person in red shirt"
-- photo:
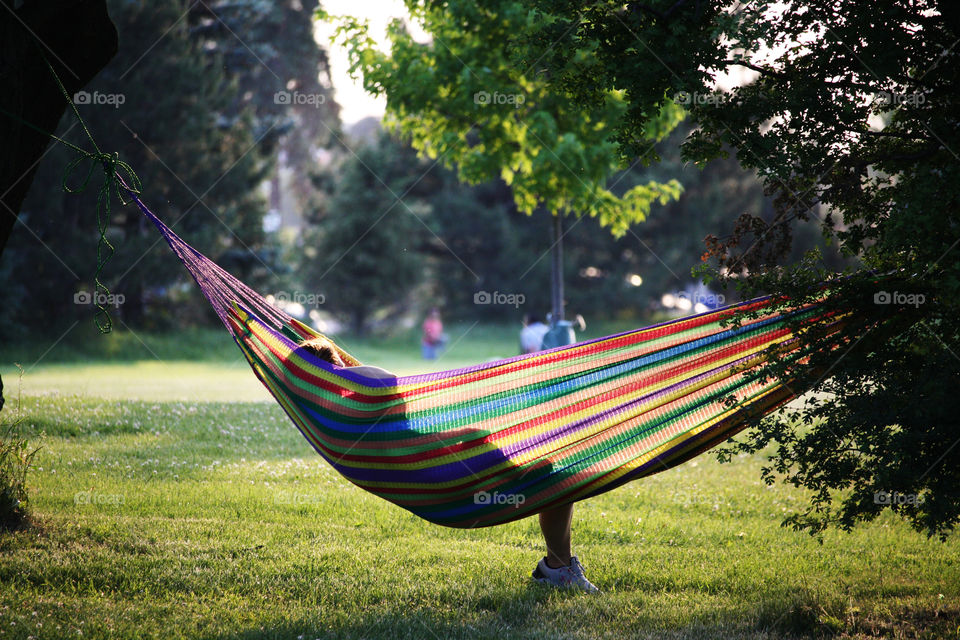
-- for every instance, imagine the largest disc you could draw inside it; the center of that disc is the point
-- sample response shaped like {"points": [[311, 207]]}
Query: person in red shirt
{"points": [[433, 338]]}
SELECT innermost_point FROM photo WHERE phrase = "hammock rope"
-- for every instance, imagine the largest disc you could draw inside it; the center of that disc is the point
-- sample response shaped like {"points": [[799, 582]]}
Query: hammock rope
{"points": [[503, 440], [496, 442]]}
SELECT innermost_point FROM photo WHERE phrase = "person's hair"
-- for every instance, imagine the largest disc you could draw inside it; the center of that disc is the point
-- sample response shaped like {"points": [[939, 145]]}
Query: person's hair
{"points": [[532, 318], [323, 349]]}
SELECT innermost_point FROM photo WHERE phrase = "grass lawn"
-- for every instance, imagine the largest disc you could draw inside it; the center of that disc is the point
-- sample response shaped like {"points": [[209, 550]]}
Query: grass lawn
{"points": [[171, 500]]}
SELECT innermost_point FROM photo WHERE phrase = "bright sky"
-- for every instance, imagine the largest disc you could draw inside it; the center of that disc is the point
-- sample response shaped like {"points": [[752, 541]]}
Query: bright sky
{"points": [[357, 103]]}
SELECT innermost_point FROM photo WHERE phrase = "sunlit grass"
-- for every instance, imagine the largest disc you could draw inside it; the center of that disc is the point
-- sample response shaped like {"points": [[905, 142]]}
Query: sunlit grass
{"points": [[165, 507]]}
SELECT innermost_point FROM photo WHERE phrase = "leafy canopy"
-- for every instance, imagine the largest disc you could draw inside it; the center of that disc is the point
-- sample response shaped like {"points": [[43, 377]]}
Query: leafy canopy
{"points": [[469, 100], [849, 115]]}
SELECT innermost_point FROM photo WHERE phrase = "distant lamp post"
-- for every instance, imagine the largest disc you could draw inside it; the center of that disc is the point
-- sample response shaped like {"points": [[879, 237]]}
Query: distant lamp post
{"points": [[561, 330]]}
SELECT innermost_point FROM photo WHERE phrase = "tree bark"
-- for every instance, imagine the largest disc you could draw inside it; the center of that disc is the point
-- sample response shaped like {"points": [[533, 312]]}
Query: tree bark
{"points": [[556, 270], [79, 39]]}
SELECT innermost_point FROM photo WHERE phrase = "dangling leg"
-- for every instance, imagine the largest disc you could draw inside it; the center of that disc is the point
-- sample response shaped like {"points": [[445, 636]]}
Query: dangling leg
{"points": [[555, 524], [559, 568]]}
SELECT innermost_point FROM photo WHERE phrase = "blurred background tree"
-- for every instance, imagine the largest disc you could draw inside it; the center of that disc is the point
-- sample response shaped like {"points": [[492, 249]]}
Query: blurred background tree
{"points": [[282, 79], [462, 100], [197, 114], [161, 115], [362, 252]]}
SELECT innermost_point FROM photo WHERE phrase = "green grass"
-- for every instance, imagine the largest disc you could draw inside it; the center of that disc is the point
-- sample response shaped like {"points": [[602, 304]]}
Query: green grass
{"points": [[166, 506]]}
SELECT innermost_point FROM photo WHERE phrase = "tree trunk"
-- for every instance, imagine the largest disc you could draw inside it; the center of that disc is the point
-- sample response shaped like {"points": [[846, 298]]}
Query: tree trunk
{"points": [[78, 39], [358, 321], [556, 271]]}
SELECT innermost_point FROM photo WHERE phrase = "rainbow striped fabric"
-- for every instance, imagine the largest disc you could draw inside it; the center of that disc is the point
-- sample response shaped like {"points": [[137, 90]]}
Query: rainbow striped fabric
{"points": [[503, 440], [500, 441]]}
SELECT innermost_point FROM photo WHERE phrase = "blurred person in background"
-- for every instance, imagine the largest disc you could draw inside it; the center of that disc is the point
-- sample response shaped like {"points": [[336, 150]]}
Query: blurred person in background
{"points": [[433, 337], [531, 336]]}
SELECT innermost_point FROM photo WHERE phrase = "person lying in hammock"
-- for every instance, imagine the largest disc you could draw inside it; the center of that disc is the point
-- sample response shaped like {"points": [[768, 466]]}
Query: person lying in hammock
{"points": [[558, 568], [326, 350]]}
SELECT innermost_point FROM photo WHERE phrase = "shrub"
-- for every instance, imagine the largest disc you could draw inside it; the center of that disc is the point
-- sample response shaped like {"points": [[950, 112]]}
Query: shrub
{"points": [[16, 456]]}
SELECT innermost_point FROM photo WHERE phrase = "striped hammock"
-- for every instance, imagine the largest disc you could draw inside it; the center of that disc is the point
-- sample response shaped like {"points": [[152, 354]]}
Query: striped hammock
{"points": [[499, 441]]}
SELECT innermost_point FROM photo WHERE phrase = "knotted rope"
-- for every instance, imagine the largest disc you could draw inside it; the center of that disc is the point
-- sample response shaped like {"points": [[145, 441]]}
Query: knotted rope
{"points": [[119, 179]]}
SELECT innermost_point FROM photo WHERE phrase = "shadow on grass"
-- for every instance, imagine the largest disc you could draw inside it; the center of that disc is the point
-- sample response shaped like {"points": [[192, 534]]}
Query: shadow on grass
{"points": [[535, 611], [530, 611], [803, 614], [520, 613]]}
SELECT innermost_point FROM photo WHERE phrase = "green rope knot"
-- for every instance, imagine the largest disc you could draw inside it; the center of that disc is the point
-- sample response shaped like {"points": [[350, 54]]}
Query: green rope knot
{"points": [[119, 179]]}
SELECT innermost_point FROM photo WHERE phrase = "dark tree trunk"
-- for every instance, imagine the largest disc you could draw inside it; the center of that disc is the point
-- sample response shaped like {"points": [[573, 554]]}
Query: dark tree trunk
{"points": [[78, 39], [556, 270], [358, 321]]}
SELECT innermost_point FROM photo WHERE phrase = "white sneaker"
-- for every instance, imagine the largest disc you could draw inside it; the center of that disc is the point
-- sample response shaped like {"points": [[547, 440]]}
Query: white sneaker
{"points": [[571, 577]]}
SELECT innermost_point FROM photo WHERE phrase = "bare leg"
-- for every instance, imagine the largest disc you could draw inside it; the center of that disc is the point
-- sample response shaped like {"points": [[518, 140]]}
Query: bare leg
{"points": [[555, 525]]}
